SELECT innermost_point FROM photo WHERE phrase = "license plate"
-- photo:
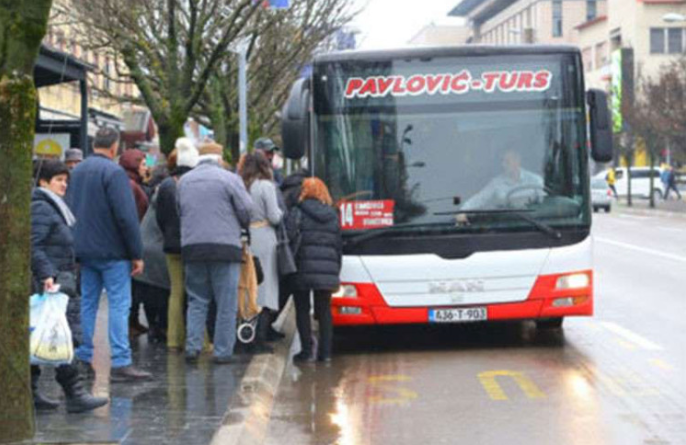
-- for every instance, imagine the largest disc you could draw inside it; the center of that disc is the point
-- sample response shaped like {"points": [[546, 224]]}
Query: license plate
{"points": [[465, 315]]}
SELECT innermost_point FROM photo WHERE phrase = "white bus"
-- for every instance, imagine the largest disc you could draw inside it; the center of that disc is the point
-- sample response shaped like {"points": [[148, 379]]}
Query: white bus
{"points": [[462, 179]]}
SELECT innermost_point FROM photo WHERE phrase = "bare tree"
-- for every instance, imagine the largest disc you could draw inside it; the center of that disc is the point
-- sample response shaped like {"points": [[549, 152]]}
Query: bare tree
{"points": [[658, 113], [170, 48], [280, 45], [22, 27]]}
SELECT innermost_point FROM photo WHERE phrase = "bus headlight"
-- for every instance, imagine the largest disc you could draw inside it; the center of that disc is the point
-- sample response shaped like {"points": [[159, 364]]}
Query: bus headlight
{"points": [[574, 281], [345, 291]]}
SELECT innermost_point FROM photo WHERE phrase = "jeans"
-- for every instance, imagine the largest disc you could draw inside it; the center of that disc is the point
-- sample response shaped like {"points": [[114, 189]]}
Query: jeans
{"points": [[207, 281], [322, 309], [115, 277]]}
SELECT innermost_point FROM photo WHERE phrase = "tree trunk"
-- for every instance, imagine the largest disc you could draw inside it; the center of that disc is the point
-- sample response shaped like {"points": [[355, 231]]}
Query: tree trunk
{"points": [[17, 122], [170, 130]]}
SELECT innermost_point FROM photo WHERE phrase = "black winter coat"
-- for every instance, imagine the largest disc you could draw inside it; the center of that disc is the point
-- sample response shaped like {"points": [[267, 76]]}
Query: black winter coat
{"points": [[52, 243], [292, 186], [168, 218], [320, 247]]}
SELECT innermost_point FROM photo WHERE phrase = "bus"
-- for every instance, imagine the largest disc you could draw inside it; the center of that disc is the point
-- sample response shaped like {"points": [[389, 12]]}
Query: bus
{"points": [[462, 179]]}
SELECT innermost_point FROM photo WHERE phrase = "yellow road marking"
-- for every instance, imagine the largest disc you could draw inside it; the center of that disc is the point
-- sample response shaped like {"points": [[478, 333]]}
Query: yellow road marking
{"points": [[489, 382], [386, 383]]}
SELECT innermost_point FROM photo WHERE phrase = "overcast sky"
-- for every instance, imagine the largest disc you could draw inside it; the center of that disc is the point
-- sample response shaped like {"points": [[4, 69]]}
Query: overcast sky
{"points": [[392, 23]]}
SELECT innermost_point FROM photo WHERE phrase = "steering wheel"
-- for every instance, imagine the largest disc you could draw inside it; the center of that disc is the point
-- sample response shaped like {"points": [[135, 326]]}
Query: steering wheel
{"points": [[508, 198]]}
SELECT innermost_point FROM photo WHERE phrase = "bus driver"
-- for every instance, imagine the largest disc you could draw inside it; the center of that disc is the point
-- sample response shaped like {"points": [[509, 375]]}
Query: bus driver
{"points": [[515, 187]]}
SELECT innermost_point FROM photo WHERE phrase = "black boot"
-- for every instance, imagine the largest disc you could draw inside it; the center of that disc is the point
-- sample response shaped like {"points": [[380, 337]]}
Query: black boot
{"points": [[264, 322], [40, 402], [78, 399]]}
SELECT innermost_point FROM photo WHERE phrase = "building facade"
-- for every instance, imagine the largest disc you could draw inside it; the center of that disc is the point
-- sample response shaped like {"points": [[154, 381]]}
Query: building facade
{"points": [[508, 22], [63, 101], [655, 31]]}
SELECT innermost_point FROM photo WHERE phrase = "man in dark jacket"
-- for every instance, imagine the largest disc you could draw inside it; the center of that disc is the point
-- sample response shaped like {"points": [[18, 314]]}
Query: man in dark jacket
{"points": [[109, 248], [214, 206]]}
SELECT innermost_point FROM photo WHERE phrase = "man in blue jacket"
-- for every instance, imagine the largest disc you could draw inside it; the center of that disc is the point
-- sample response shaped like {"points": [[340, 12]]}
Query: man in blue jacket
{"points": [[108, 246]]}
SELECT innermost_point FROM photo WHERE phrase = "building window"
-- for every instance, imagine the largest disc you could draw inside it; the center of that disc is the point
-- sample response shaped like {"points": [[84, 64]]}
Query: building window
{"points": [[657, 40], [675, 40], [591, 9], [557, 18]]}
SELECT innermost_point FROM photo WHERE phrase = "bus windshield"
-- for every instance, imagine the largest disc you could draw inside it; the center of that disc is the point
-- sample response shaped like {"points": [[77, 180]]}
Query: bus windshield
{"points": [[417, 142]]}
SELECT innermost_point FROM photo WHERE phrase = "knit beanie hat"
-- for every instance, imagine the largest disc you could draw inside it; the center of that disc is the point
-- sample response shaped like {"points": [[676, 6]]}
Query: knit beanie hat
{"points": [[186, 153]]}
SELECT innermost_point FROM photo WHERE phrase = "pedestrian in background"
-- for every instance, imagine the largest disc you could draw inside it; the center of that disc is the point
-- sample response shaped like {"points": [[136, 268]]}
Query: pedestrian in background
{"points": [[266, 217], [73, 157], [108, 245], [315, 228], [671, 183], [290, 191], [269, 149], [133, 162], [53, 263], [611, 180], [214, 208], [182, 160]]}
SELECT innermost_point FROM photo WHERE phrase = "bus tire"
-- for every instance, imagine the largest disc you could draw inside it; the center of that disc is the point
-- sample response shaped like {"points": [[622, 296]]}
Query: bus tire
{"points": [[550, 323]]}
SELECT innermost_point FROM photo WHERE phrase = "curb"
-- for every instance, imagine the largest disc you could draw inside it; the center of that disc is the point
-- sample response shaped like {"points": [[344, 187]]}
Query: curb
{"points": [[247, 420], [650, 212]]}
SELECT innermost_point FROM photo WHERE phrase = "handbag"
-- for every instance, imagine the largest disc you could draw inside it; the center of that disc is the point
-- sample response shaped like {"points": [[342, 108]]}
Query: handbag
{"points": [[259, 272], [284, 254]]}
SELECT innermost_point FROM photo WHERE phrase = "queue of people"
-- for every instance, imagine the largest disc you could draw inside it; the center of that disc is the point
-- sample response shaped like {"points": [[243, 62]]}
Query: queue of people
{"points": [[175, 245]]}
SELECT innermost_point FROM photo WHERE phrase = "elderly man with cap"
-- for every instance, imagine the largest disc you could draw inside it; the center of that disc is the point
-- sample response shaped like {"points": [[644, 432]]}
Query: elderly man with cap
{"points": [[73, 157], [214, 208], [269, 149]]}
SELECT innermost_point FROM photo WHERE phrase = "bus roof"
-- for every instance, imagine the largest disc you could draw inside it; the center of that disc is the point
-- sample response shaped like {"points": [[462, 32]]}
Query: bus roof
{"points": [[445, 51]]}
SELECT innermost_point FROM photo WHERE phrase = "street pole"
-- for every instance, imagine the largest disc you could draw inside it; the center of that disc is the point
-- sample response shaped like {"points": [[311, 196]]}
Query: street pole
{"points": [[243, 97]]}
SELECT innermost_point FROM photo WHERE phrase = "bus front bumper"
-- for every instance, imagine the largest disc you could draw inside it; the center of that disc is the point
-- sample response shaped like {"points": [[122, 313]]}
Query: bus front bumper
{"points": [[544, 301]]}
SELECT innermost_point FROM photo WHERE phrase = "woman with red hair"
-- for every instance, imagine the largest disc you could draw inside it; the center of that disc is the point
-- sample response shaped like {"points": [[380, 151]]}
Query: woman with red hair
{"points": [[318, 257]]}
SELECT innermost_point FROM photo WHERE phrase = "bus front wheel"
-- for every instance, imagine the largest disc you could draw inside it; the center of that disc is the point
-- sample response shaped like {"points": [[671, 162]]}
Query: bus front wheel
{"points": [[550, 323]]}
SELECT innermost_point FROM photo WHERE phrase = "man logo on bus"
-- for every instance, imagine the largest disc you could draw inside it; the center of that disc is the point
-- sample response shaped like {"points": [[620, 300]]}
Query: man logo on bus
{"points": [[459, 83]]}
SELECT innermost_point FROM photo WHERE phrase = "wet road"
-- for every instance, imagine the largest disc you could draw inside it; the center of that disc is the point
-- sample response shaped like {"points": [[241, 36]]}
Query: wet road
{"points": [[616, 378]]}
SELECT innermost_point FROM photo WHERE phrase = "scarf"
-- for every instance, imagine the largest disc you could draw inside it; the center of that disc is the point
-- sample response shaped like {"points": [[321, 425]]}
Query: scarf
{"points": [[61, 205]]}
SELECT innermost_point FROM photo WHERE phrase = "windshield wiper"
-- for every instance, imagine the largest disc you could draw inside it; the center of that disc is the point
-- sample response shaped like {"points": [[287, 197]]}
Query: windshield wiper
{"points": [[521, 214], [374, 233]]}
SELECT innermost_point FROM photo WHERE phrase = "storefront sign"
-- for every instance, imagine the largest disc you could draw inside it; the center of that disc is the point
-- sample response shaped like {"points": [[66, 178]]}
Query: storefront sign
{"points": [[51, 145]]}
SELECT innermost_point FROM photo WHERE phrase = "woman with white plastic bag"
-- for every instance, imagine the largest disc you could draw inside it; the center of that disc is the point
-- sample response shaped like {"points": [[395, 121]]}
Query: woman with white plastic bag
{"points": [[53, 264]]}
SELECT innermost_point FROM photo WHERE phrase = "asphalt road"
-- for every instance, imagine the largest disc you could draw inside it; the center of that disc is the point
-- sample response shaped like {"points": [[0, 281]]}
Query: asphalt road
{"points": [[616, 378]]}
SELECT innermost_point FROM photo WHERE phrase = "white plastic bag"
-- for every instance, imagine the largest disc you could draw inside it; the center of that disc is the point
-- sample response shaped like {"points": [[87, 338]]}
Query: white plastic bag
{"points": [[51, 342]]}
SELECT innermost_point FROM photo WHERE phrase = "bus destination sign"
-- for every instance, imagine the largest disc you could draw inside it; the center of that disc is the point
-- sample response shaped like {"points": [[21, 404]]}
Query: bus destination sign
{"points": [[459, 83]]}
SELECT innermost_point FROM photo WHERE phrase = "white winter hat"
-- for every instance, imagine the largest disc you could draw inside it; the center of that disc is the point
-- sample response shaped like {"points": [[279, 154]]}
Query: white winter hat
{"points": [[186, 153]]}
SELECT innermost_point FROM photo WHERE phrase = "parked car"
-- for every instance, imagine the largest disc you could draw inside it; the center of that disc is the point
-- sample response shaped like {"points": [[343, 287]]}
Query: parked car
{"points": [[601, 195], [640, 181]]}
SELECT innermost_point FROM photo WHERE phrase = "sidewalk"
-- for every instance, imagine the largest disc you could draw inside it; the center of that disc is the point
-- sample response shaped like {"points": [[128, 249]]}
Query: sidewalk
{"points": [[671, 208], [184, 404]]}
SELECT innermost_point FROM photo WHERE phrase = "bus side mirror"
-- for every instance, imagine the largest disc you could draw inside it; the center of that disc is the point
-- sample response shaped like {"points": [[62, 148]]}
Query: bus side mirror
{"points": [[295, 122], [601, 126]]}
